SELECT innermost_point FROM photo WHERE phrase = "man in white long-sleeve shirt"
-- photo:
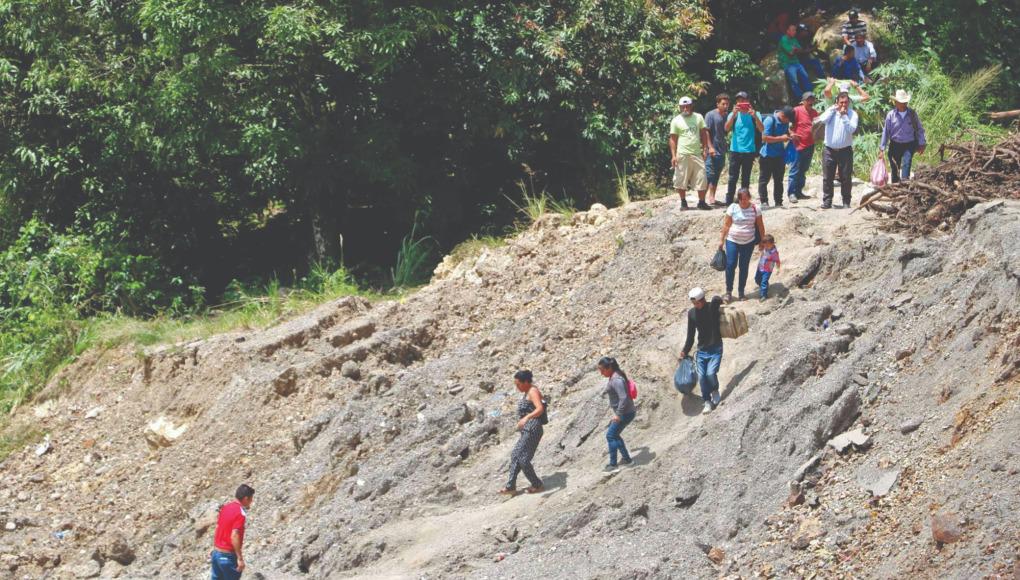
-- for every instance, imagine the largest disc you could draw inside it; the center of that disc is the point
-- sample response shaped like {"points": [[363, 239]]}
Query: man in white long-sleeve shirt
{"points": [[840, 122]]}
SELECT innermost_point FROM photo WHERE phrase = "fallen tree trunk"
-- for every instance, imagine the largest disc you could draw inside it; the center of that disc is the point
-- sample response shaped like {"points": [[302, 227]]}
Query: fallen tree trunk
{"points": [[997, 116]]}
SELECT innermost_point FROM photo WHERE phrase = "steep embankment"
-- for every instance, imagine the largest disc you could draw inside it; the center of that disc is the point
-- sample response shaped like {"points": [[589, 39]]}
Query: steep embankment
{"points": [[377, 434]]}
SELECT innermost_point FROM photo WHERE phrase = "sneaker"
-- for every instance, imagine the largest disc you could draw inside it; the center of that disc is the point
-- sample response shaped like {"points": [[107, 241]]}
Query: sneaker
{"points": [[740, 296], [715, 399], [792, 198], [684, 207], [803, 196], [610, 468], [728, 298], [718, 203], [627, 462], [763, 298], [703, 205], [764, 206], [706, 409], [826, 206]]}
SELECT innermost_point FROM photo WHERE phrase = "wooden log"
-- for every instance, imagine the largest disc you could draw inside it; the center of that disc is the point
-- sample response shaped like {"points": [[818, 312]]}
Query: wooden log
{"points": [[1000, 115]]}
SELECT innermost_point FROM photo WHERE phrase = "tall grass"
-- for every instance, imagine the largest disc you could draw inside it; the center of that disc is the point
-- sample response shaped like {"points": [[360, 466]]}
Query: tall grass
{"points": [[622, 190], [245, 307], [32, 350], [534, 204], [413, 260]]}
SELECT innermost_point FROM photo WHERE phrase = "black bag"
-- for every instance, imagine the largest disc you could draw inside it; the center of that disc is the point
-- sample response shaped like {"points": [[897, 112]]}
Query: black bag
{"points": [[686, 376], [544, 417], [718, 261]]}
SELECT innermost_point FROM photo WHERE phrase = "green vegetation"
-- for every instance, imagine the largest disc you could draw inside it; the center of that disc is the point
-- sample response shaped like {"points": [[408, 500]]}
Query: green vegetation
{"points": [[413, 261], [950, 108], [964, 36], [154, 153]]}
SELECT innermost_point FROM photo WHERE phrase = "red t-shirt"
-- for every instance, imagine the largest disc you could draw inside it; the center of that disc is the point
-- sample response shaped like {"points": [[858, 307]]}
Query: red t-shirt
{"points": [[231, 518], [803, 117]]}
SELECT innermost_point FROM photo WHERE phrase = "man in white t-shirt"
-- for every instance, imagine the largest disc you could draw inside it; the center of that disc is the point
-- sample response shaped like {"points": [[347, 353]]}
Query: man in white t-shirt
{"points": [[864, 52]]}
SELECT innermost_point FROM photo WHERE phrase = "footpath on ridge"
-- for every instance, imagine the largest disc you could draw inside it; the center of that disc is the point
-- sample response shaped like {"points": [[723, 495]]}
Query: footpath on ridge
{"points": [[376, 434]]}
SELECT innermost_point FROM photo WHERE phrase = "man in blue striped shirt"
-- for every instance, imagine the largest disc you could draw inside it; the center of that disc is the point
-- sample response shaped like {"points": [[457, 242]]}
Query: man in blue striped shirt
{"points": [[840, 122]]}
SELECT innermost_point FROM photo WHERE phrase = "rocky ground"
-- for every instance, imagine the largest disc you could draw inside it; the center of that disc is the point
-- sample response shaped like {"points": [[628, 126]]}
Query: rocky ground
{"points": [[868, 426]]}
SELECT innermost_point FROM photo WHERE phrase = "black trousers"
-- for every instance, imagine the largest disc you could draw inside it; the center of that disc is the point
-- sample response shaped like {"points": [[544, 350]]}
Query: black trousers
{"points": [[771, 168], [740, 168], [841, 161]]}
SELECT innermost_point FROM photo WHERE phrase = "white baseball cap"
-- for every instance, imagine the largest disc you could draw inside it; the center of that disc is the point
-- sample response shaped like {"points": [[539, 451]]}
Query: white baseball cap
{"points": [[686, 101], [696, 294]]}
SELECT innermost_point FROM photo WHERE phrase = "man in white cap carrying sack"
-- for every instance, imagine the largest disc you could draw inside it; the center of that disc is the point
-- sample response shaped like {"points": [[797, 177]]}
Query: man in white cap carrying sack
{"points": [[903, 135], [689, 145], [703, 318]]}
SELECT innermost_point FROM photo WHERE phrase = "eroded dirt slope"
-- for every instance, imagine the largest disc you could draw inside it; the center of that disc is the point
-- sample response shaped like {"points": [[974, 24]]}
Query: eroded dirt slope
{"points": [[377, 434]]}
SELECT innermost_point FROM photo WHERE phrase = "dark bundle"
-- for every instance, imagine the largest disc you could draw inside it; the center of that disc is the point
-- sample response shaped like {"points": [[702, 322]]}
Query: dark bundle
{"points": [[937, 196]]}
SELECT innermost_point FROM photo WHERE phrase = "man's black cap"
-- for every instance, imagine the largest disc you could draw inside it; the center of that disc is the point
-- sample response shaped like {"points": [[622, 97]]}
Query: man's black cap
{"points": [[743, 95], [852, 13]]}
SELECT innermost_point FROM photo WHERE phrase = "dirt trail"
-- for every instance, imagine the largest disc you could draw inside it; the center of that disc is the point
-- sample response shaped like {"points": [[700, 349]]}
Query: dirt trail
{"points": [[377, 434]]}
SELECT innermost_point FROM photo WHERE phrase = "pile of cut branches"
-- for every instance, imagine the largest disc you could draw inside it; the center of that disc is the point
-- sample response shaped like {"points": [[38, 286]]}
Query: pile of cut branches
{"points": [[937, 196]]}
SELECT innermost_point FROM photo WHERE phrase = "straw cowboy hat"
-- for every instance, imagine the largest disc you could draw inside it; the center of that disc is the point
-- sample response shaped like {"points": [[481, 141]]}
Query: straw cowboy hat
{"points": [[902, 96]]}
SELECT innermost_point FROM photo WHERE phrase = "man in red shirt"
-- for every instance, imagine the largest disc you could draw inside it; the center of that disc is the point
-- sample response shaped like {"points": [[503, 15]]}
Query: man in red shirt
{"points": [[803, 116], [227, 558]]}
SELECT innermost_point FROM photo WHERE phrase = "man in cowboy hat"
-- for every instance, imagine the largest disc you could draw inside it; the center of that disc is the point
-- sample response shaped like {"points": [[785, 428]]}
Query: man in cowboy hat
{"points": [[903, 134], [690, 146]]}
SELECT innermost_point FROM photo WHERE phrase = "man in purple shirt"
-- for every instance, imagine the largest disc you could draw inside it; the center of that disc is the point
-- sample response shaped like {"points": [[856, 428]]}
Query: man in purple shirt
{"points": [[903, 134]]}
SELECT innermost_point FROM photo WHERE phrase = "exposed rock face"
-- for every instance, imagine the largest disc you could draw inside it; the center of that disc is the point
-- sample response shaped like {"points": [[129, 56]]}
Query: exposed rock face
{"points": [[376, 434]]}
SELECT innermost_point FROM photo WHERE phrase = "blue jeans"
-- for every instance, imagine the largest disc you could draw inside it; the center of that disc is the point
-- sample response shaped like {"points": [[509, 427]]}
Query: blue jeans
{"points": [[815, 66], [798, 171], [708, 361], [224, 566], [762, 280], [616, 443], [735, 251], [797, 77], [713, 168], [900, 157]]}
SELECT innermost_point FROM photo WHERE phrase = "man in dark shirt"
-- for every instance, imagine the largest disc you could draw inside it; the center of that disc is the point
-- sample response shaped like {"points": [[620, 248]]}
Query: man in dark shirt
{"points": [[704, 318], [852, 26], [846, 67]]}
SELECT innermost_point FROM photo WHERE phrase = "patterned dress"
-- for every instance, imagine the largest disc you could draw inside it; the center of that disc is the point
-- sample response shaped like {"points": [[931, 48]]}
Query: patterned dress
{"points": [[524, 451]]}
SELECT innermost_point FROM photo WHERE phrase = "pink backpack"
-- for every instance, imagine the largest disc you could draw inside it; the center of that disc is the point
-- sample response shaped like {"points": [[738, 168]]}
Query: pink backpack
{"points": [[631, 389]]}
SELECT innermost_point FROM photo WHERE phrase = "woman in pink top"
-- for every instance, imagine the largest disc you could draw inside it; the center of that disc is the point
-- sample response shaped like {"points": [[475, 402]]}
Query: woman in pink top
{"points": [[741, 231]]}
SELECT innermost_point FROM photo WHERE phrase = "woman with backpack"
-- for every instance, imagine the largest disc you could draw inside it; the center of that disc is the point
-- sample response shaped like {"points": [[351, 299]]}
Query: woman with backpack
{"points": [[622, 405], [903, 134], [531, 416]]}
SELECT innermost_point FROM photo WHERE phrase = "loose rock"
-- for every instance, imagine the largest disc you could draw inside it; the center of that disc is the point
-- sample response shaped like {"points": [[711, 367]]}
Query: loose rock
{"points": [[911, 425], [945, 528], [855, 438]]}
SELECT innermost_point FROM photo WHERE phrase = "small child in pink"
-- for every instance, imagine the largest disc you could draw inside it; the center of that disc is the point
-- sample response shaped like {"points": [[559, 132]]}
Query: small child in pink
{"points": [[768, 264]]}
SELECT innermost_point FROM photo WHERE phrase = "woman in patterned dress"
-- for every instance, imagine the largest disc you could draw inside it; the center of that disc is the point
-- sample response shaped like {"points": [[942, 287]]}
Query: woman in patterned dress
{"points": [[529, 410]]}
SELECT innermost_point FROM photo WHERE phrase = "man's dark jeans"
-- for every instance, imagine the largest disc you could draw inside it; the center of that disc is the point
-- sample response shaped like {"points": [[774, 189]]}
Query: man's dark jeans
{"points": [[740, 168], [841, 160], [771, 168], [900, 157]]}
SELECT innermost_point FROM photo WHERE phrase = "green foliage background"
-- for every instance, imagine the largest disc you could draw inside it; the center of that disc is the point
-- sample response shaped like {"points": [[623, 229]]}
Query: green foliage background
{"points": [[158, 156]]}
